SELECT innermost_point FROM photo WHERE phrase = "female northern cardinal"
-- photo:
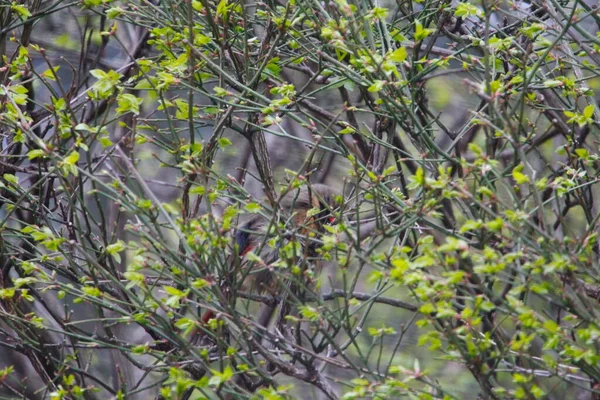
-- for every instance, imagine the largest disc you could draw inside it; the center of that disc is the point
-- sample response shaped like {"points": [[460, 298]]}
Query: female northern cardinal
{"points": [[319, 199]]}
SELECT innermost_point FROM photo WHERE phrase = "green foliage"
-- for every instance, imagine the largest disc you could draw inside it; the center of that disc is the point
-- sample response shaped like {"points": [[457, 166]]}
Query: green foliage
{"points": [[464, 237]]}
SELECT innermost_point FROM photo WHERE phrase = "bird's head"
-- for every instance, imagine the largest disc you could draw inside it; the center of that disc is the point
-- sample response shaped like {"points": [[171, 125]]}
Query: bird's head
{"points": [[311, 206]]}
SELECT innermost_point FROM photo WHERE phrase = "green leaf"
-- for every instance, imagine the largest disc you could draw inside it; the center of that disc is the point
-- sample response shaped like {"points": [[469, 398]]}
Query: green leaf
{"points": [[399, 55], [200, 283], [50, 73], [114, 12], [219, 378], [219, 91], [91, 291], [401, 267], [72, 158], [420, 32], [376, 86], [128, 103], [518, 176], [253, 207], [222, 9], [134, 278], [82, 127], [197, 5], [552, 83], [174, 291], [466, 10], [7, 294], [201, 40], [475, 149], [224, 142], [184, 324], [114, 250], [105, 142], [551, 326], [398, 36], [140, 349], [379, 12], [106, 84], [309, 313], [588, 112], [582, 153], [10, 178], [427, 308], [33, 154], [21, 10], [199, 190]]}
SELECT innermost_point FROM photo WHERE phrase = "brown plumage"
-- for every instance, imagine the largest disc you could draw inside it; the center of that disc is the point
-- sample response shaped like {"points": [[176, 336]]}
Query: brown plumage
{"points": [[251, 236], [320, 199]]}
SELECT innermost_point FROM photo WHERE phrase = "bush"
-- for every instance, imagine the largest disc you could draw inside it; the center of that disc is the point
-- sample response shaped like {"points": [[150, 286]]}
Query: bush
{"points": [[458, 260]]}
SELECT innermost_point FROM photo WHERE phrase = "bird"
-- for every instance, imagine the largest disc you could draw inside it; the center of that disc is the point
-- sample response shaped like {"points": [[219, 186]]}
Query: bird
{"points": [[310, 208]]}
